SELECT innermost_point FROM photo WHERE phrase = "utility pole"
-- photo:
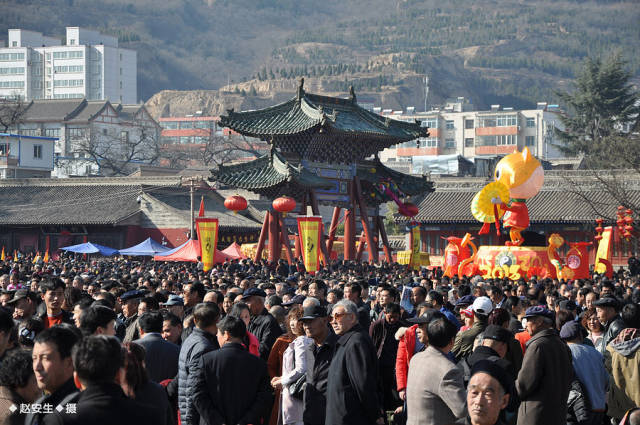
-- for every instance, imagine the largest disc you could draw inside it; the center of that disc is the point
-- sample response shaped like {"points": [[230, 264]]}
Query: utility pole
{"points": [[192, 188]]}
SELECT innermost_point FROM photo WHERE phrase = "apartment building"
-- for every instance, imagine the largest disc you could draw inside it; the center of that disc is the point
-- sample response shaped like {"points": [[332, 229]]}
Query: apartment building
{"points": [[91, 134], [455, 130], [88, 65]]}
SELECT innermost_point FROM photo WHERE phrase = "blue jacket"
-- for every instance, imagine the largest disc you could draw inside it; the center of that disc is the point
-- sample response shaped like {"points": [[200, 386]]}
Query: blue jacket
{"points": [[198, 343]]}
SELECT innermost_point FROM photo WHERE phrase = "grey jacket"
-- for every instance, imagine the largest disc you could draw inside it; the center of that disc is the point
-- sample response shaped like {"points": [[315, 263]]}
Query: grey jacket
{"points": [[435, 390]]}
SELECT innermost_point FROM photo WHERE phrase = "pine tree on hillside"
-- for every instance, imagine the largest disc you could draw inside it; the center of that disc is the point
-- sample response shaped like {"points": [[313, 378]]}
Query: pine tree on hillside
{"points": [[600, 111]]}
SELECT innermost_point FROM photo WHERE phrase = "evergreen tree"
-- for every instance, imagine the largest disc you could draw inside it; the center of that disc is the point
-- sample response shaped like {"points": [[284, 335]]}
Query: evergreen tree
{"points": [[600, 111]]}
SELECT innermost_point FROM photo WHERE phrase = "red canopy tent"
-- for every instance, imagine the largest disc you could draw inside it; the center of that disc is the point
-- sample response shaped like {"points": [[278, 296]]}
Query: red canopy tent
{"points": [[233, 251], [190, 251]]}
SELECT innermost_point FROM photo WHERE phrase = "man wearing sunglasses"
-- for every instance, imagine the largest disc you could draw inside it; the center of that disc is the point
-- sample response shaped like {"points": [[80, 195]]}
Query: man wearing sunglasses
{"points": [[353, 374]]}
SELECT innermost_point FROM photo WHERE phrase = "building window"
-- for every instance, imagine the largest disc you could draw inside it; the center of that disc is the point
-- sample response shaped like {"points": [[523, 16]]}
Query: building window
{"points": [[11, 84], [450, 144], [449, 125], [430, 122], [506, 120], [18, 70], [186, 124], [185, 140], [52, 132], [531, 122], [11, 56], [104, 131], [427, 143], [14, 44], [72, 42], [506, 140], [4, 149], [529, 141], [468, 143], [77, 132], [468, 124], [37, 151], [124, 136], [169, 125], [30, 132]]}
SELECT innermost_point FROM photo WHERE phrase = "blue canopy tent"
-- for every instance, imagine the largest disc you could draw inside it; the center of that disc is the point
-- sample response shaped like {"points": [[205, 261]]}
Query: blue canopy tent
{"points": [[148, 247], [90, 248]]}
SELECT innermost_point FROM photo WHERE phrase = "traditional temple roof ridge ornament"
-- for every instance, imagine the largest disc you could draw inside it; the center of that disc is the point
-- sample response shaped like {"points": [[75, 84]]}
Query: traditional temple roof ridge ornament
{"points": [[300, 91], [352, 95]]}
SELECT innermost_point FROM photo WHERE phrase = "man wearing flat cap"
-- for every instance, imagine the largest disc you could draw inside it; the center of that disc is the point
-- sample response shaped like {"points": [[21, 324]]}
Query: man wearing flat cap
{"points": [[546, 374], [607, 309], [263, 325], [487, 394], [130, 301]]}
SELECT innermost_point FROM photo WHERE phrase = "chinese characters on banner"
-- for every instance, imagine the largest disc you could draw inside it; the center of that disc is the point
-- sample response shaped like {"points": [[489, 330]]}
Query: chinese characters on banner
{"points": [[207, 229], [310, 231], [604, 250], [415, 247]]}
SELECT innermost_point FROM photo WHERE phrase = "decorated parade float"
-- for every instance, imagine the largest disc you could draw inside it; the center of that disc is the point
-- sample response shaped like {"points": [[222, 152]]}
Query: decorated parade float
{"points": [[518, 177]]}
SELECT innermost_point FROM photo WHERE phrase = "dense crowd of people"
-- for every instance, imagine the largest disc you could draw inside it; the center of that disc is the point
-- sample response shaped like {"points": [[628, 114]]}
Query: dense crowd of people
{"points": [[117, 341]]}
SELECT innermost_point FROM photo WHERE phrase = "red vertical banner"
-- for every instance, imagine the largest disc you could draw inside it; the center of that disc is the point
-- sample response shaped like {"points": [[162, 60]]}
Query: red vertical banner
{"points": [[310, 231], [207, 229]]}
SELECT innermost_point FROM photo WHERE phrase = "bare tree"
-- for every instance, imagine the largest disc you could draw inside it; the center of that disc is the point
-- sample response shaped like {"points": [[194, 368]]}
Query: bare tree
{"points": [[117, 154], [12, 113], [214, 150], [221, 150]]}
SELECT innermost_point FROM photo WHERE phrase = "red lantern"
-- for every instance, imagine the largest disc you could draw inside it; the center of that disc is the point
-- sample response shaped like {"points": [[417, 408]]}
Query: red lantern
{"points": [[629, 212], [620, 222], [620, 208], [284, 204], [628, 228], [599, 229], [628, 219], [408, 209], [235, 203], [599, 221], [626, 234], [598, 237]]}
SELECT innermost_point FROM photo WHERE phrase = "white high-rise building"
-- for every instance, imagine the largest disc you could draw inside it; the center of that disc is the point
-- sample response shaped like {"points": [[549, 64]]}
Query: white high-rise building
{"points": [[89, 65]]}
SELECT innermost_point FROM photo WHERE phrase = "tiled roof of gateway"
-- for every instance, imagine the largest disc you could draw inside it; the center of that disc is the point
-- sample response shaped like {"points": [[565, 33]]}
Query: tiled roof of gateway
{"points": [[270, 175], [309, 111], [565, 198], [373, 172], [104, 201]]}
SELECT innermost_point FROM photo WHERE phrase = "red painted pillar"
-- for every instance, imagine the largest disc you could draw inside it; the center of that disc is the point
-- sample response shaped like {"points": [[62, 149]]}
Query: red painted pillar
{"points": [[274, 237], [262, 239], [284, 236], [332, 229], [297, 246], [349, 234]]}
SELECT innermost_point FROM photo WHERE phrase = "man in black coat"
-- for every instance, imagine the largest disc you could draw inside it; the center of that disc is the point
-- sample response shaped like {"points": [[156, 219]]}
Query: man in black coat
{"points": [[315, 324], [231, 386], [161, 356], [263, 325], [97, 360], [352, 390]]}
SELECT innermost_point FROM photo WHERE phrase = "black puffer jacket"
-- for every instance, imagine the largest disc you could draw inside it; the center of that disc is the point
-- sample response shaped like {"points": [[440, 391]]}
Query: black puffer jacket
{"points": [[197, 344], [578, 409]]}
